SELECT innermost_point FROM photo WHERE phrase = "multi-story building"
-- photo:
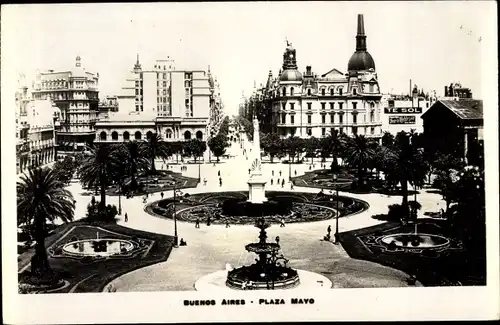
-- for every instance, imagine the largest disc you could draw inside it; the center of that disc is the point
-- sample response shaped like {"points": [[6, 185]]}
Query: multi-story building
{"points": [[457, 91], [108, 104], [216, 105], [75, 92], [23, 99], [173, 103], [308, 105], [403, 112]]}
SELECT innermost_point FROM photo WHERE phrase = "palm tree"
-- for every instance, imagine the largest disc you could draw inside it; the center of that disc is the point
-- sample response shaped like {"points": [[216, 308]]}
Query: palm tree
{"points": [[336, 144], [41, 197], [359, 152], [98, 169], [135, 160], [154, 148]]}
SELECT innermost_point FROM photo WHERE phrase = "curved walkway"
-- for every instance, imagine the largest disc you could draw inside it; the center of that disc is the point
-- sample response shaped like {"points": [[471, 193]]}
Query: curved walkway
{"points": [[210, 248]]}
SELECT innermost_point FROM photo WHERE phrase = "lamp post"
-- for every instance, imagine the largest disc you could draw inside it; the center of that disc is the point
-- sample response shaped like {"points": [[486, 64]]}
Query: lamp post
{"points": [[199, 172], [176, 242], [289, 170], [336, 235]]}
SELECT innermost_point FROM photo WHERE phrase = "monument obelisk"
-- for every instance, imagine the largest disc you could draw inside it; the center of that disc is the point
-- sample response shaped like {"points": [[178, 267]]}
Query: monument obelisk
{"points": [[256, 183]]}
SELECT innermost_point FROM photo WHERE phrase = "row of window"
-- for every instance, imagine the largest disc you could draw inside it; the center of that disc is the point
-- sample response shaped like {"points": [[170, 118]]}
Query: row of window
{"points": [[138, 135], [323, 91], [354, 130], [323, 106], [354, 119]]}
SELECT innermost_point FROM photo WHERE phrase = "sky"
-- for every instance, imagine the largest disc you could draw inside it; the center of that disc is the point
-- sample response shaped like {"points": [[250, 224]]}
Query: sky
{"points": [[432, 43]]}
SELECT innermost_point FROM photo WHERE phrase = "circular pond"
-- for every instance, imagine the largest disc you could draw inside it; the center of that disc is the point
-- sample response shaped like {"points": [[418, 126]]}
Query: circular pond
{"points": [[98, 247], [415, 240]]}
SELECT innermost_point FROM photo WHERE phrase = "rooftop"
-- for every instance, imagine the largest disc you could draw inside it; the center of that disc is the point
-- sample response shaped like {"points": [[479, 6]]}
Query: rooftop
{"points": [[464, 109]]}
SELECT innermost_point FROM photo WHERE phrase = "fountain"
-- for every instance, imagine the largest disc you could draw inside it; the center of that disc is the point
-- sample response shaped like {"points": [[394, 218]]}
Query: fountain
{"points": [[415, 240], [269, 272]]}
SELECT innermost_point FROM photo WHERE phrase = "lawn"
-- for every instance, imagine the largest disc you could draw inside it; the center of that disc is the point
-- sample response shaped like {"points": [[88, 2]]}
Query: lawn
{"points": [[453, 266], [91, 276]]}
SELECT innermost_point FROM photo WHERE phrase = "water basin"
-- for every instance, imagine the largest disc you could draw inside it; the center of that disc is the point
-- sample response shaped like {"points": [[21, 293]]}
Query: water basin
{"points": [[415, 240], [98, 247]]}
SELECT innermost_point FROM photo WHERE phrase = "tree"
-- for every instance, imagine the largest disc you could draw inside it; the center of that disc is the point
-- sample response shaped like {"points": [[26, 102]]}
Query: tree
{"points": [[218, 145], [311, 146], [177, 148], [334, 144], [294, 146], [272, 145], [65, 169], [41, 197], [99, 168], [195, 148], [154, 148], [359, 152], [387, 139], [224, 127], [246, 125], [132, 153]]}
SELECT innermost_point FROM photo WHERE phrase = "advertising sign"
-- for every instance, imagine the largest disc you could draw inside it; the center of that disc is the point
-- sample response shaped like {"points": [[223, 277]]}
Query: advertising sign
{"points": [[404, 119], [403, 110]]}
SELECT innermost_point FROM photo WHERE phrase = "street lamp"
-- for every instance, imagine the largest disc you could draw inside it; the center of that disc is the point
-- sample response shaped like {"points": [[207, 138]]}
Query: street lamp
{"points": [[289, 170], [176, 238], [199, 172], [336, 235]]}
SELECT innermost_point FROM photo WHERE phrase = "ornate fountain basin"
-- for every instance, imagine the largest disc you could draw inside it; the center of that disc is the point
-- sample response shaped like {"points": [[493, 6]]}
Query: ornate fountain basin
{"points": [[282, 278], [415, 241], [260, 248], [98, 247]]}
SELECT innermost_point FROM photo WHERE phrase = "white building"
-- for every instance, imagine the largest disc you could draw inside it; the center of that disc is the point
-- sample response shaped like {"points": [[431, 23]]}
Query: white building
{"points": [[176, 104]]}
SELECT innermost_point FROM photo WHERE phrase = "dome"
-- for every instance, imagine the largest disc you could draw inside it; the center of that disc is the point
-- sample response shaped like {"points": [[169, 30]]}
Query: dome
{"points": [[291, 75], [360, 60]]}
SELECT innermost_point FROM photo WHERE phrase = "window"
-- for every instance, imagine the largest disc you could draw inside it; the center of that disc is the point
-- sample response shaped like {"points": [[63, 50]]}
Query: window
{"points": [[341, 130], [284, 106], [323, 131], [114, 135], [292, 119], [137, 91], [323, 105], [354, 105], [284, 91], [309, 106], [308, 92], [372, 130], [323, 119], [199, 135], [331, 91], [157, 91], [332, 118], [323, 92], [137, 108], [187, 135], [340, 91], [372, 116], [141, 107], [426, 105], [283, 118], [354, 130], [332, 105], [340, 105], [354, 118], [341, 119], [309, 131], [292, 106], [291, 91], [371, 88], [354, 91], [103, 136], [308, 119]]}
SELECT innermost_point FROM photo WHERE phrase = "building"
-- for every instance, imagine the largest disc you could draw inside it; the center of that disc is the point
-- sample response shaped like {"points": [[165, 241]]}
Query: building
{"points": [[403, 112], [307, 104], [176, 104], [216, 106], [23, 98], [108, 104], [75, 93], [457, 91], [455, 127]]}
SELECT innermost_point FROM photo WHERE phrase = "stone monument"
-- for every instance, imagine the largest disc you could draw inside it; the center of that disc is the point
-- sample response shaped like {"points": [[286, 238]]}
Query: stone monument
{"points": [[257, 182]]}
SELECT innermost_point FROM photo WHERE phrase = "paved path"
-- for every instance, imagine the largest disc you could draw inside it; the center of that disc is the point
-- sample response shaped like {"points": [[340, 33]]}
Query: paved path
{"points": [[210, 248]]}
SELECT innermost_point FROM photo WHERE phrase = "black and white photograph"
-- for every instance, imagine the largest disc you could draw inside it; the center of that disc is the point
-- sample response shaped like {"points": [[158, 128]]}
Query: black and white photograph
{"points": [[249, 161]]}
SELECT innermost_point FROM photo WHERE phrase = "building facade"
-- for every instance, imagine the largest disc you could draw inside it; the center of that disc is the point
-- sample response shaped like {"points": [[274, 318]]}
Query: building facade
{"points": [[455, 127], [403, 112], [176, 104], [306, 105], [75, 93]]}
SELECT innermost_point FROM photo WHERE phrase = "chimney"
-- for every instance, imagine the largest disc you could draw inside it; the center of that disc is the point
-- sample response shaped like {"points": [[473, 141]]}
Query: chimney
{"points": [[308, 70]]}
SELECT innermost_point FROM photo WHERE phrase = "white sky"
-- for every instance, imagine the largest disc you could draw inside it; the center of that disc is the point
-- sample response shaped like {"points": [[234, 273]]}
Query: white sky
{"points": [[241, 42]]}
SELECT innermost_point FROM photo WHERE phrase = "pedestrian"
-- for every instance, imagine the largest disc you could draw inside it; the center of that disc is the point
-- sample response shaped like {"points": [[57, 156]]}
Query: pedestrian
{"points": [[144, 199], [278, 181], [329, 230], [204, 181], [214, 164], [272, 172], [249, 170], [220, 181], [282, 222], [278, 240], [126, 217], [295, 172], [218, 173], [282, 183], [162, 194], [208, 220], [291, 185], [197, 224], [227, 223], [280, 172], [310, 167], [271, 181]]}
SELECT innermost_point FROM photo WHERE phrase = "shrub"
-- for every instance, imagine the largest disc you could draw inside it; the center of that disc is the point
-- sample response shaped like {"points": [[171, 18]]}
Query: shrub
{"points": [[396, 212]]}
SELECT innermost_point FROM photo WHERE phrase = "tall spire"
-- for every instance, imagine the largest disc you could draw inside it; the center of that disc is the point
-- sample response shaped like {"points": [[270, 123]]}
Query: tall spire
{"points": [[361, 37], [137, 65]]}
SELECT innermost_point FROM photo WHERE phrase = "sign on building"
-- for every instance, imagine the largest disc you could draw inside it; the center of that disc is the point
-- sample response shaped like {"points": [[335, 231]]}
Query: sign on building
{"points": [[403, 119], [403, 110]]}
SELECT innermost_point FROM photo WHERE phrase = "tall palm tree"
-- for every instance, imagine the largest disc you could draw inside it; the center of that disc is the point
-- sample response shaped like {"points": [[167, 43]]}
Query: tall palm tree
{"points": [[41, 197], [359, 152], [154, 148], [98, 168], [336, 145], [135, 161]]}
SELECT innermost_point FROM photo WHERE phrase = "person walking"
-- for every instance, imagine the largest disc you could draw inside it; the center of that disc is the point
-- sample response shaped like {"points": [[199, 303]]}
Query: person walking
{"points": [[126, 217], [249, 170], [295, 172], [208, 220], [218, 173], [227, 223], [278, 181], [271, 181], [282, 183], [204, 181], [162, 194], [280, 172], [329, 230], [220, 181], [197, 224], [282, 222], [272, 172], [278, 240]]}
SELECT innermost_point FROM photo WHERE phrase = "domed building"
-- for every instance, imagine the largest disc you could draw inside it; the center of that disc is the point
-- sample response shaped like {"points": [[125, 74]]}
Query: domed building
{"points": [[307, 104]]}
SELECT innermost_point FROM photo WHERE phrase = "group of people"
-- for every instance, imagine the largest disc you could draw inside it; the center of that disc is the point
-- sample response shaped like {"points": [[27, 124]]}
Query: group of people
{"points": [[184, 168]]}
